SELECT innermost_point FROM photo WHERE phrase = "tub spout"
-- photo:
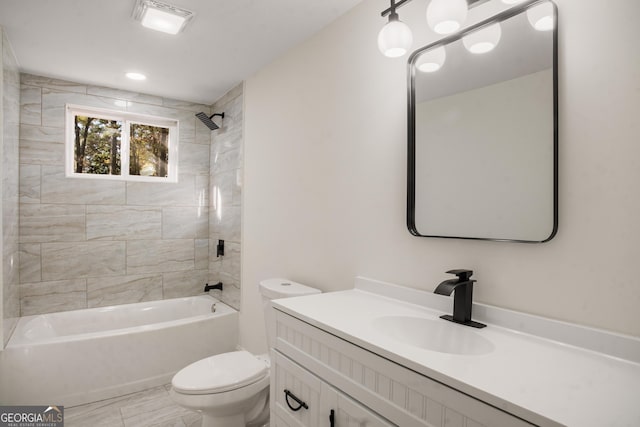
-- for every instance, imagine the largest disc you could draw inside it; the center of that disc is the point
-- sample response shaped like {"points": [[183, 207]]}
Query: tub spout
{"points": [[208, 287]]}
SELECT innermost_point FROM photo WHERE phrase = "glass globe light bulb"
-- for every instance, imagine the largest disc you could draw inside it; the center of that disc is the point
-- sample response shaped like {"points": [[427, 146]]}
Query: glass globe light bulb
{"points": [[395, 38], [446, 16]]}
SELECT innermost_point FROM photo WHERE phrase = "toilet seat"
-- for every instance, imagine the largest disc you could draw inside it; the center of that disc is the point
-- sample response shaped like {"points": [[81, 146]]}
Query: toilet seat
{"points": [[220, 373]]}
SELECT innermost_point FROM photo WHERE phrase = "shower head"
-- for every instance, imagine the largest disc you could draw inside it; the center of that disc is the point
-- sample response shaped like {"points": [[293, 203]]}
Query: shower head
{"points": [[207, 120]]}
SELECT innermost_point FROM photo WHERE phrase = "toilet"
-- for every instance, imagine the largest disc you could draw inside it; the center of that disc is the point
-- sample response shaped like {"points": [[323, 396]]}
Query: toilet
{"points": [[232, 389]]}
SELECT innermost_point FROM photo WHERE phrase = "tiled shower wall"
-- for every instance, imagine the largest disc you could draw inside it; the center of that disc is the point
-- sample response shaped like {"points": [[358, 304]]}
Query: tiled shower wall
{"points": [[226, 185], [9, 118], [90, 243]]}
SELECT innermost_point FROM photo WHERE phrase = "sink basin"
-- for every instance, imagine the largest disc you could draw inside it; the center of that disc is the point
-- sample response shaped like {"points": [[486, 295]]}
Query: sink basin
{"points": [[433, 334]]}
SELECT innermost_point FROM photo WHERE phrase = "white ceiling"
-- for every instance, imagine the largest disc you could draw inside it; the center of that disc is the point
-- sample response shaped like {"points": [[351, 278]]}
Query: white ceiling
{"points": [[97, 41]]}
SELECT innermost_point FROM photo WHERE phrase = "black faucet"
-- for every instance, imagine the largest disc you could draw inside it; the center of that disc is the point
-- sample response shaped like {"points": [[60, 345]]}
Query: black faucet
{"points": [[462, 299], [208, 287]]}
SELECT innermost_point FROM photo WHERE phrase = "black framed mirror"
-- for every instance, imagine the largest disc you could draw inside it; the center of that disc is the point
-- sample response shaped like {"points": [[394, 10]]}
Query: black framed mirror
{"points": [[483, 130]]}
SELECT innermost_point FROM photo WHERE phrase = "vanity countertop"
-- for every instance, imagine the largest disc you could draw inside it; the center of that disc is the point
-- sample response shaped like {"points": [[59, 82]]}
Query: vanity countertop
{"points": [[545, 381]]}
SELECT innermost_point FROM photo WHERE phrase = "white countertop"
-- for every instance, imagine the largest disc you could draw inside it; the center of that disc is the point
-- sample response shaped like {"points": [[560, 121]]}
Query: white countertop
{"points": [[530, 376]]}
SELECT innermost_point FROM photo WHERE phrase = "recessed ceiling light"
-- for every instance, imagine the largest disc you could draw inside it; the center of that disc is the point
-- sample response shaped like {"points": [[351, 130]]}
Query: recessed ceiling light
{"points": [[136, 76], [161, 16]]}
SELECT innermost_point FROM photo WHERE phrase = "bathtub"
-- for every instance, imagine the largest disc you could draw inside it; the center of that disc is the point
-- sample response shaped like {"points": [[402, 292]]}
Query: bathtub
{"points": [[76, 357]]}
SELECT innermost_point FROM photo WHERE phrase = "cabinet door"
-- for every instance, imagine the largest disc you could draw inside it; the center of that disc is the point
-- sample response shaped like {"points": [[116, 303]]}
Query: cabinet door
{"points": [[291, 387], [347, 412]]}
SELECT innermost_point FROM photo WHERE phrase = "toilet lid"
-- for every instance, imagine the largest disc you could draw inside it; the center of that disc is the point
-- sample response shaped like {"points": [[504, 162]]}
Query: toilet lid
{"points": [[220, 373]]}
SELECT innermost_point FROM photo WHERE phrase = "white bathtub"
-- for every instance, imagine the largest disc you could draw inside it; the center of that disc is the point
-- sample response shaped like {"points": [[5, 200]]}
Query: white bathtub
{"points": [[82, 356]]}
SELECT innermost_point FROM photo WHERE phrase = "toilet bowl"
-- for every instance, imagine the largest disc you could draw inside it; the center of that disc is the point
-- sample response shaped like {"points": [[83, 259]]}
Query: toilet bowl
{"points": [[232, 389]]}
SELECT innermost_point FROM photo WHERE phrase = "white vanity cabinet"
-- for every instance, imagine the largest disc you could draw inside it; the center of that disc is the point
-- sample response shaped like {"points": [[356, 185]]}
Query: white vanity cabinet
{"points": [[362, 388]]}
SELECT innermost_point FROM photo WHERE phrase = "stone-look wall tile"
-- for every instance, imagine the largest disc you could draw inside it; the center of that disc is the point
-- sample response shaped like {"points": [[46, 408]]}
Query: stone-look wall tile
{"points": [[29, 187], [187, 127], [181, 193], [107, 291], [82, 260], [42, 133], [41, 152], [230, 140], [226, 189], [215, 262], [50, 83], [11, 89], [10, 165], [230, 263], [180, 284], [41, 145], [186, 105], [123, 244], [185, 222], [203, 133], [201, 254], [49, 297], [9, 176], [194, 158], [54, 102], [230, 96], [11, 275], [123, 222], [30, 105], [202, 190], [123, 95], [231, 295], [30, 264], [225, 161], [11, 310], [233, 115], [236, 189], [52, 223], [227, 225], [57, 188], [156, 256], [226, 195]]}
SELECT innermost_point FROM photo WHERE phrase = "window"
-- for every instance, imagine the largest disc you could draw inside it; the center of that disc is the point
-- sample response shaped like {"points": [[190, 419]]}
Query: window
{"points": [[116, 145]]}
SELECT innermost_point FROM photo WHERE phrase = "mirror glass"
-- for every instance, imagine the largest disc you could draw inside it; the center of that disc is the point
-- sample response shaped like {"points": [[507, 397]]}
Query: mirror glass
{"points": [[483, 130]]}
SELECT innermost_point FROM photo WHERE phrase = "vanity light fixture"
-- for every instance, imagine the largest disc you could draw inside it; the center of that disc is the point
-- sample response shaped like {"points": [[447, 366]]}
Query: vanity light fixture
{"points": [[446, 16], [443, 17], [161, 16], [483, 40], [395, 38], [432, 60]]}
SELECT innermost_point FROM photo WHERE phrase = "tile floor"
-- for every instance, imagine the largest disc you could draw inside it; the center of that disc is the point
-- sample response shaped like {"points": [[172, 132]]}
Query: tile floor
{"points": [[147, 408]]}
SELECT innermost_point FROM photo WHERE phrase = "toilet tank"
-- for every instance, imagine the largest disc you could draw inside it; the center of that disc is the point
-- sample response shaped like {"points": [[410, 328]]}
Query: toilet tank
{"points": [[271, 289]]}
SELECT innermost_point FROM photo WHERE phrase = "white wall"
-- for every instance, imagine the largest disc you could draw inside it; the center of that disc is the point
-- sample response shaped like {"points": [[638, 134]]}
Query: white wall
{"points": [[325, 175]]}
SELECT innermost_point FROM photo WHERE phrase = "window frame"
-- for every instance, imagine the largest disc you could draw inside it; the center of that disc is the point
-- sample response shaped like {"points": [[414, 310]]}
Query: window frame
{"points": [[127, 118]]}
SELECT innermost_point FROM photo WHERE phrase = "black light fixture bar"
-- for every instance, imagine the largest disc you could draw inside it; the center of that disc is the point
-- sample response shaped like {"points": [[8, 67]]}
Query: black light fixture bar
{"points": [[393, 7], [396, 5]]}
